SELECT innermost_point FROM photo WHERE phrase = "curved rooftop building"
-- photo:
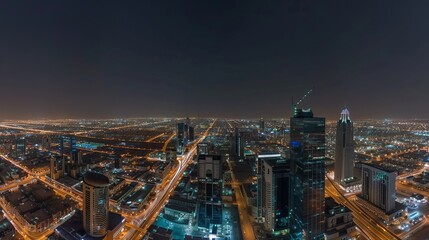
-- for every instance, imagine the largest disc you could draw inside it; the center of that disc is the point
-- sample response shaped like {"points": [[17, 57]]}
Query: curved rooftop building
{"points": [[95, 204]]}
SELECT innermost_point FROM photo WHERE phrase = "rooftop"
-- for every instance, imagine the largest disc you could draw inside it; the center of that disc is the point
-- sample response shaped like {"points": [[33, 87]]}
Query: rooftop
{"points": [[96, 179]]}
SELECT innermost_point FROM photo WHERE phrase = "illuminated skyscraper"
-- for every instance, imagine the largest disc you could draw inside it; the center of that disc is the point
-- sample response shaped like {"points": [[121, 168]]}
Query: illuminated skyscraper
{"points": [[57, 167], [378, 186], [307, 144], [344, 149], [73, 150], [210, 190], [261, 125], [237, 144], [275, 195], [20, 148], [180, 138], [259, 167], [95, 204]]}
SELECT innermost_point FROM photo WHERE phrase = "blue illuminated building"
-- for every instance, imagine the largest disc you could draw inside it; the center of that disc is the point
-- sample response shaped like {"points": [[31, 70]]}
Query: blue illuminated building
{"points": [[307, 137]]}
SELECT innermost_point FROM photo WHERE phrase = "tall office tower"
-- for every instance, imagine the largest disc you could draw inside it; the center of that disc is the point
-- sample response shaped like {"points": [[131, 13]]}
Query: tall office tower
{"points": [[187, 126], [210, 190], [73, 150], [259, 198], [57, 167], [46, 142], [237, 144], [180, 138], [95, 204], [20, 148], [378, 186], [307, 144], [261, 125], [191, 134], [344, 149], [61, 145], [276, 189]]}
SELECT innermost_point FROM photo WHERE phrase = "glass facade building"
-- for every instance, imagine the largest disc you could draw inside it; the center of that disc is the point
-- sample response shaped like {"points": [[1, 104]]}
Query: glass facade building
{"points": [[307, 145]]}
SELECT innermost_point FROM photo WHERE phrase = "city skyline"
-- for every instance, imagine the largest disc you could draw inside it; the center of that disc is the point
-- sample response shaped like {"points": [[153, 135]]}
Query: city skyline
{"points": [[242, 60]]}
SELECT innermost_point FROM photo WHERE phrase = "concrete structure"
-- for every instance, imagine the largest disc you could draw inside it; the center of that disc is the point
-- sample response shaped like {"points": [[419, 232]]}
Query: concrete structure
{"points": [[276, 190], [95, 204], [20, 148], [378, 186], [210, 184], [339, 220], [344, 149], [57, 168], [259, 199], [307, 144], [181, 140]]}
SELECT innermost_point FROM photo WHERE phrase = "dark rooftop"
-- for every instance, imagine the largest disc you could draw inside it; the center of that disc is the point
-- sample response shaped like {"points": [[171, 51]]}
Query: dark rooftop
{"points": [[96, 179]]}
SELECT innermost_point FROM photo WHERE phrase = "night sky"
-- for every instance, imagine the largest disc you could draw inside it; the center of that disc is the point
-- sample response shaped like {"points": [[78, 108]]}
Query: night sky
{"points": [[96, 59]]}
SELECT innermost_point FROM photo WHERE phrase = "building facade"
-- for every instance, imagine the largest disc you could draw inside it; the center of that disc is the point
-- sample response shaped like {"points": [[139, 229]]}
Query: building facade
{"points": [[210, 184], [378, 186], [276, 190], [344, 149], [95, 204], [307, 144]]}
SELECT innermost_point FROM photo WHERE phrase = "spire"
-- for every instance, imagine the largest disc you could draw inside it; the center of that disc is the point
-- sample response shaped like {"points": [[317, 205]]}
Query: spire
{"points": [[345, 116]]}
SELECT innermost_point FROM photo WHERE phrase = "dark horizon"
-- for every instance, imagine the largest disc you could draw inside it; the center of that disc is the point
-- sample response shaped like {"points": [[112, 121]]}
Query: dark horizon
{"points": [[242, 59]]}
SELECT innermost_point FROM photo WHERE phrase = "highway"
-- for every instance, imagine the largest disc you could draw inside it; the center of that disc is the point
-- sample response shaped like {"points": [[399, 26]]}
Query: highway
{"points": [[245, 219], [363, 220], [146, 219]]}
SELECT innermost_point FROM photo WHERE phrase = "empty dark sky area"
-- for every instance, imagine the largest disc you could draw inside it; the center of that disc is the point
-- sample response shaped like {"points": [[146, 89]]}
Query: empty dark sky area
{"points": [[96, 59]]}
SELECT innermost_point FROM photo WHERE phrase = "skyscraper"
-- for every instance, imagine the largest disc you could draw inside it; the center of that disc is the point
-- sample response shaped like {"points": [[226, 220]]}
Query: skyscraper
{"points": [[261, 125], [237, 144], [307, 144], [191, 134], [73, 150], [180, 138], [210, 190], [95, 204], [344, 149], [378, 186], [57, 167], [276, 189], [20, 148], [259, 198]]}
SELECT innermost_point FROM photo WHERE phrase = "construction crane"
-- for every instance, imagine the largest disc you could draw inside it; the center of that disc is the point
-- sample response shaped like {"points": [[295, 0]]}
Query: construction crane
{"points": [[294, 106]]}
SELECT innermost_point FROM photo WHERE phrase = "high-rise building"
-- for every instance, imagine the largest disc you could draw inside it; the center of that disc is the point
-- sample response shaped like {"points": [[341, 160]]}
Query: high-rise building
{"points": [[344, 149], [95, 204], [339, 221], [276, 198], [73, 150], [378, 186], [46, 142], [210, 190], [237, 144], [261, 125], [259, 198], [180, 138], [307, 144], [57, 167], [191, 134], [61, 145], [20, 148]]}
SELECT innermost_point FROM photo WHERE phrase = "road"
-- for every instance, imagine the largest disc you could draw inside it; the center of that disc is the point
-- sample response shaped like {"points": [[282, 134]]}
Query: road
{"points": [[363, 220], [245, 219], [146, 219]]}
